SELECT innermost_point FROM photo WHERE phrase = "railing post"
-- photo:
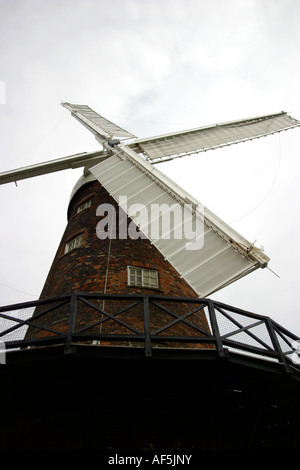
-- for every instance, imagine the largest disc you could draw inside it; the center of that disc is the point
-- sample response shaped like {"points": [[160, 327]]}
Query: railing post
{"points": [[71, 323], [148, 346], [215, 328], [276, 344]]}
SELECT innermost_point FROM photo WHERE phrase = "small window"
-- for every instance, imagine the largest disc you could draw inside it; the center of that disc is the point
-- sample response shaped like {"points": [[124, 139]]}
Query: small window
{"points": [[83, 206], [142, 277], [74, 243]]}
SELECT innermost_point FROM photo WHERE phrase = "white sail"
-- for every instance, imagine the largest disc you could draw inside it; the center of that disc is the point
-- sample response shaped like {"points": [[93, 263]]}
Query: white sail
{"points": [[202, 139], [214, 258]]}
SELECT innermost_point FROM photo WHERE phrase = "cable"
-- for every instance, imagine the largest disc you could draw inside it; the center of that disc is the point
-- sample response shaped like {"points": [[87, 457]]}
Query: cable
{"points": [[106, 276], [37, 142], [17, 290], [107, 267], [270, 189], [151, 122]]}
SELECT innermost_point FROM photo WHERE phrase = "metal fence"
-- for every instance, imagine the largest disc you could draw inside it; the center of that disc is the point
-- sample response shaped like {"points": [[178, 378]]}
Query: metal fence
{"points": [[223, 328]]}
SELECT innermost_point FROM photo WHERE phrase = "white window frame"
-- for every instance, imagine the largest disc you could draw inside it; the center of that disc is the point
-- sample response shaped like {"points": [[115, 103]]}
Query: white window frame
{"points": [[142, 277], [76, 242], [83, 206]]}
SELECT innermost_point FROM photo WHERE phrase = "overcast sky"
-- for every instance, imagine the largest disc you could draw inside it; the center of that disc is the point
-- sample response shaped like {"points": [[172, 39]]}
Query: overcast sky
{"points": [[153, 66]]}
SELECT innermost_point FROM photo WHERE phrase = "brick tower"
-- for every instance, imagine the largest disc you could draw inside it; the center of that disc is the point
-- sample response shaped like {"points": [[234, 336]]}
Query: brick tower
{"points": [[86, 263]]}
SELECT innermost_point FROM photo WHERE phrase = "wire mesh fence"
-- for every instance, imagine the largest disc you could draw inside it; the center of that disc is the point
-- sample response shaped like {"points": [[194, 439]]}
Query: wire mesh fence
{"points": [[149, 322]]}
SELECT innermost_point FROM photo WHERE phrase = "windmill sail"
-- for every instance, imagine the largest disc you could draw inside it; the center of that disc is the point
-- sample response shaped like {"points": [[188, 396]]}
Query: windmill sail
{"points": [[156, 149], [79, 160], [98, 125], [174, 145], [220, 255]]}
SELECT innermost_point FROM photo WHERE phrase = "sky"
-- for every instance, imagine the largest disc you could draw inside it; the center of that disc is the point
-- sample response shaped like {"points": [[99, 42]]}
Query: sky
{"points": [[152, 67]]}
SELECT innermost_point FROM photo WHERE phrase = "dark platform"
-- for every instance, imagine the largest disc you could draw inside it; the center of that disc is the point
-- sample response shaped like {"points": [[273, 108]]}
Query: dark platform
{"points": [[69, 395]]}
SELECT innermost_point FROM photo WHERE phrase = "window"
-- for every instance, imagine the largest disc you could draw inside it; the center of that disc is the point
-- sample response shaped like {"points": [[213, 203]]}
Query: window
{"points": [[74, 243], [83, 206], [142, 277]]}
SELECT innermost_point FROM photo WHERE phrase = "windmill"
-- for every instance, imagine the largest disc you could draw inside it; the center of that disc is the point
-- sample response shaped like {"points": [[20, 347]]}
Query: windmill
{"points": [[119, 239], [128, 169]]}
